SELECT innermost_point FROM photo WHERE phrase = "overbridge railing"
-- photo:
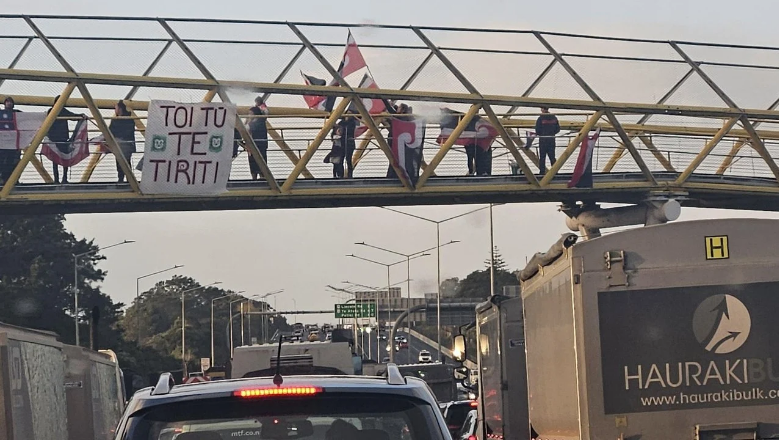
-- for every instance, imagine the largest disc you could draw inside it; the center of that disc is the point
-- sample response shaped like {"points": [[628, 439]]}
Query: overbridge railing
{"points": [[677, 107]]}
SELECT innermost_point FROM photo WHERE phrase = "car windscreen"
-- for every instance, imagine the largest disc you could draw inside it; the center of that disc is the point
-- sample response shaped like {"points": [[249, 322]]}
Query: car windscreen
{"points": [[338, 416]]}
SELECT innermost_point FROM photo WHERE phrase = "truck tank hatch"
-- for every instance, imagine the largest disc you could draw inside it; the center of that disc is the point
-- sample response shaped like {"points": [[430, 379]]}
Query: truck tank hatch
{"points": [[615, 263]]}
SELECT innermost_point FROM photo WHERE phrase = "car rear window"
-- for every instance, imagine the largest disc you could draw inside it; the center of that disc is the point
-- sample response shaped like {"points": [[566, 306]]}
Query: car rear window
{"points": [[455, 415], [339, 416]]}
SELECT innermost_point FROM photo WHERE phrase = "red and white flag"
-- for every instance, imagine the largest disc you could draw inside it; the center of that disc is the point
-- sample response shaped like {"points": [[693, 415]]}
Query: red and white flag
{"points": [[582, 172], [75, 150], [313, 101], [374, 106], [17, 129], [408, 138], [479, 131], [352, 60]]}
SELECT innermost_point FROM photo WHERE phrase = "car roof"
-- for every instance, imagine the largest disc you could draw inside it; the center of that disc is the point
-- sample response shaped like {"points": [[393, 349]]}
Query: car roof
{"points": [[410, 387]]}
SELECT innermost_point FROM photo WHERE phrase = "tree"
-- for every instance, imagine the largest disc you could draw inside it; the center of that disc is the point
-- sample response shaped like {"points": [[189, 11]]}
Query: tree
{"points": [[449, 287], [154, 321], [477, 283], [36, 279], [500, 264]]}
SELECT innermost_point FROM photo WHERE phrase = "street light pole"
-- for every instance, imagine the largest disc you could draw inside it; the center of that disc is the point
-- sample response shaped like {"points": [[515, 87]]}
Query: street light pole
{"points": [[230, 312], [438, 255], [75, 282], [183, 327], [213, 359], [410, 257], [138, 300]]}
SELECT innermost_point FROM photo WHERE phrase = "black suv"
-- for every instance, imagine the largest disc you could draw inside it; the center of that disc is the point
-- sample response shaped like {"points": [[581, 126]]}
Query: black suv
{"points": [[300, 407]]}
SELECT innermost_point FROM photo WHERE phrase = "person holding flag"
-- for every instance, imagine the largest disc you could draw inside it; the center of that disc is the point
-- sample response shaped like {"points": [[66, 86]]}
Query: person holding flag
{"points": [[59, 135], [582, 172]]}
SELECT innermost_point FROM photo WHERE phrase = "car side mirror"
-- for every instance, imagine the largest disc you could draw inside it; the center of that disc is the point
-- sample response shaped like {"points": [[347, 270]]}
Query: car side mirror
{"points": [[458, 353]]}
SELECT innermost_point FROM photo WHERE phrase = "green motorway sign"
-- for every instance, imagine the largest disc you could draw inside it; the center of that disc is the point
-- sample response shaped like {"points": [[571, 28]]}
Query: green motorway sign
{"points": [[352, 310]]}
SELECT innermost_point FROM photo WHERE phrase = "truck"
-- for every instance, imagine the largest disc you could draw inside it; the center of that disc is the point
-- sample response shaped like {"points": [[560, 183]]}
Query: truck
{"points": [[50, 390], [296, 358], [666, 331]]}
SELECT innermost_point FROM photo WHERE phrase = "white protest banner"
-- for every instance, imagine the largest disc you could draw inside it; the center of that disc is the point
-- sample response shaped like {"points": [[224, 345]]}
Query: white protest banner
{"points": [[17, 128], [189, 148]]}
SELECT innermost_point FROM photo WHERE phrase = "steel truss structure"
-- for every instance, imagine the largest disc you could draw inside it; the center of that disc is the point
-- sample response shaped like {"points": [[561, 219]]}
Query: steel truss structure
{"points": [[696, 121]]}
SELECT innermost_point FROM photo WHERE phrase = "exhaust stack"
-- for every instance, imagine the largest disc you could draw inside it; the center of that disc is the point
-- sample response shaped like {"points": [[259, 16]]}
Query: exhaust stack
{"points": [[588, 220]]}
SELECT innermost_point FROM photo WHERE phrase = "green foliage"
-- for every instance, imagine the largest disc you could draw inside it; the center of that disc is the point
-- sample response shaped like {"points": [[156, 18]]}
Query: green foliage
{"points": [[154, 319], [36, 279], [477, 283]]}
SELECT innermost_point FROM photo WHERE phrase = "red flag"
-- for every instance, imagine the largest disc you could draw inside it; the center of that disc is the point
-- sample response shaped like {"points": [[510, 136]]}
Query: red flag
{"points": [[583, 167], [76, 149], [479, 131], [408, 138], [352, 60], [374, 106], [313, 101]]}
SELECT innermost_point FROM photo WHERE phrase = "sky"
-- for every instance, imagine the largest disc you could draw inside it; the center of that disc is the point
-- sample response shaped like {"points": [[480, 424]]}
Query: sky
{"points": [[302, 251]]}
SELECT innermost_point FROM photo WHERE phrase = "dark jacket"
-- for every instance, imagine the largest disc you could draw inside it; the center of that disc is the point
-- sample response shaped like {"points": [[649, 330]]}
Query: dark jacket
{"points": [[547, 126], [348, 124], [259, 128], [59, 131], [123, 129]]}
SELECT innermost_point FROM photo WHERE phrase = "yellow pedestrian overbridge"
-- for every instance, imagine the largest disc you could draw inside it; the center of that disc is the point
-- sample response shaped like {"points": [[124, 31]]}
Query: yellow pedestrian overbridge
{"points": [[691, 120]]}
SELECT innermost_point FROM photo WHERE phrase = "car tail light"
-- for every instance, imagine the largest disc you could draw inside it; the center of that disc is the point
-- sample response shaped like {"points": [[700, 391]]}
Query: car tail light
{"points": [[474, 403], [251, 393], [472, 437]]}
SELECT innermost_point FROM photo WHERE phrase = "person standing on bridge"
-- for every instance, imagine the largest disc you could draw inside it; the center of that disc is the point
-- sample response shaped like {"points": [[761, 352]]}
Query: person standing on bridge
{"points": [[336, 154], [9, 156], [348, 126], [547, 127], [59, 135], [123, 131], [258, 127]]}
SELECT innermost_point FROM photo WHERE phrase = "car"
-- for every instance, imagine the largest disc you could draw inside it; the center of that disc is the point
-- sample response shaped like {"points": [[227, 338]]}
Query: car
{"points": [[385, 360], [455, 414], [402, 344], [383, 336], [299, 407], [329, 336], [425, 357], [468, 430], [313, 336]]}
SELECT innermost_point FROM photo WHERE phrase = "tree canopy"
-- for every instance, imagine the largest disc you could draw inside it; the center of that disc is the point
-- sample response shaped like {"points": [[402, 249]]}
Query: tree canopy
{"points": [[154, 320], [477, 283], [36, 279]]}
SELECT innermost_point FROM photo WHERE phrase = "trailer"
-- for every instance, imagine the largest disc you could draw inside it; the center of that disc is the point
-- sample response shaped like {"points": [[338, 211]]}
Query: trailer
{"points": [[53, 391], [655, 333]]}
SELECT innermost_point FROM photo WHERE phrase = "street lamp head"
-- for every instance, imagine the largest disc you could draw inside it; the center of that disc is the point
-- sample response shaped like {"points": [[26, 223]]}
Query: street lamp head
{"points": [[128, 241], [361, 243]]}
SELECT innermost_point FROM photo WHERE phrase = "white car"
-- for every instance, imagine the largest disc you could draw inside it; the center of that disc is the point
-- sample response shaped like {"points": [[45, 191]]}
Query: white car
{"points": [[425, 357]]}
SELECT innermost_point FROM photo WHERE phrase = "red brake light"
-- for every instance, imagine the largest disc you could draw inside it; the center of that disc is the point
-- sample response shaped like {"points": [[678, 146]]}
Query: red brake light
{"points": [[251, 393], [472, 437], [474, 403]]}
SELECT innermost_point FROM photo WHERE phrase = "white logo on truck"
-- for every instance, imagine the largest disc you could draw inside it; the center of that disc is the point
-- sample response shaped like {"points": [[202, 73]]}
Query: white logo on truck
{"points": [[721, 324]]}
